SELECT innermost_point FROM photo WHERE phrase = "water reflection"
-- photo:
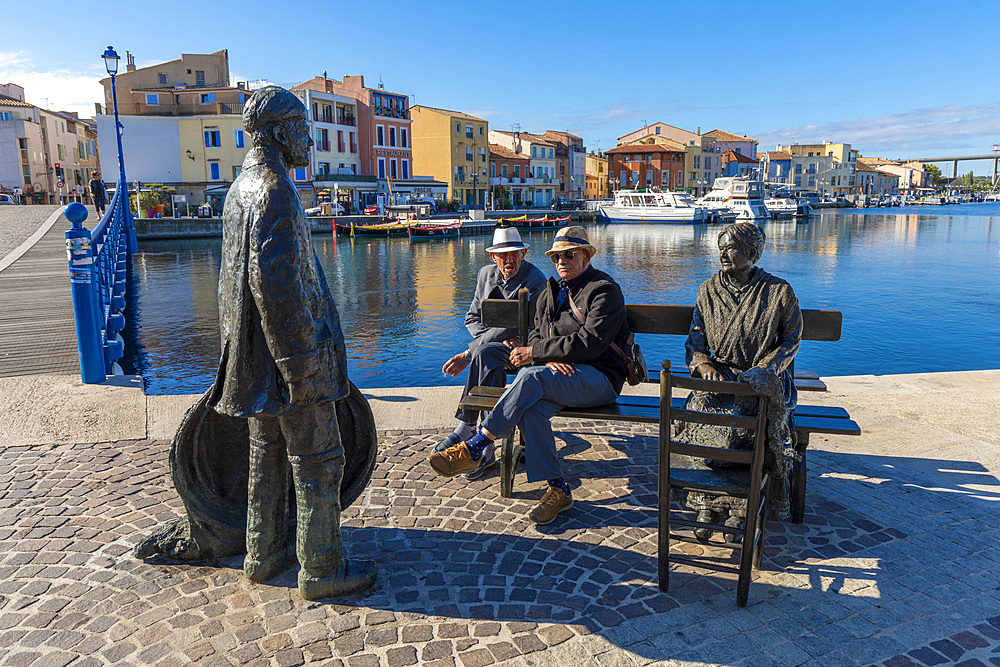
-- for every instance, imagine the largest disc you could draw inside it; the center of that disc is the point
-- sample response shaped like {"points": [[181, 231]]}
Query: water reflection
{"points": [[917, 289]]}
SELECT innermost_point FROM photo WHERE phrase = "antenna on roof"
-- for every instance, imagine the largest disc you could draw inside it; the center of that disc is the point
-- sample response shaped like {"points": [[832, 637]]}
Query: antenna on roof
{"points": [[381, 86]]}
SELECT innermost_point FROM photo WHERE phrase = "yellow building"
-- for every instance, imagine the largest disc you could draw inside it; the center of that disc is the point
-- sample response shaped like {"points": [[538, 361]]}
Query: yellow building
{"points": [[212, 148], [452, 147], [597, 176]]}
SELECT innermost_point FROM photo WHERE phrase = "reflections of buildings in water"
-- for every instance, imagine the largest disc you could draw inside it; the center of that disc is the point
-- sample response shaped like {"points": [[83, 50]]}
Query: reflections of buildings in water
{"points": [[918, 293]]}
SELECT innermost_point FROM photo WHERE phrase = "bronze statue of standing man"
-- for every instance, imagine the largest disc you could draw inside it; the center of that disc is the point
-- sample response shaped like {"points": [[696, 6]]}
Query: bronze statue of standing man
{"points": [[283, 360]]}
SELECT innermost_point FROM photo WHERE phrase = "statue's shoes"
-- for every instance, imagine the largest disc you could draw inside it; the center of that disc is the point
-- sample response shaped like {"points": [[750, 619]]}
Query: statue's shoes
{"points": [[352, 577], [260, 571]]}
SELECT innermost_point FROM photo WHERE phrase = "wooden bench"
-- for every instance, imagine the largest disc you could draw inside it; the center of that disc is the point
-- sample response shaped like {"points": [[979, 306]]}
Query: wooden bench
{"points": [[818, 325]]}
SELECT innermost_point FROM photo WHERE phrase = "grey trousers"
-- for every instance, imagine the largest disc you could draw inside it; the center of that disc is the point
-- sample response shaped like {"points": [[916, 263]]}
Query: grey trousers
{"points": [[488, 368], [531, 401], [310, 441]]}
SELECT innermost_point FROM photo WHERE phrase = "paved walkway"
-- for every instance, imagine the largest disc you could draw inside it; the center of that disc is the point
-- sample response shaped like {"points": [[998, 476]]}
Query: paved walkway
{"points": [[895, 564], [36, 311]]}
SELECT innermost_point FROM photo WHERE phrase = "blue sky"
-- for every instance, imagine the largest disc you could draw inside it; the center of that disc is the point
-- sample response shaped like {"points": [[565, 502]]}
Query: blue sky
{"points": [[895, 79]]}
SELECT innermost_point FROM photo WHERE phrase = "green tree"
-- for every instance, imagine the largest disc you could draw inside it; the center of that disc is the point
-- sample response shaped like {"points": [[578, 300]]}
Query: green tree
{"points": [[935, 173]]}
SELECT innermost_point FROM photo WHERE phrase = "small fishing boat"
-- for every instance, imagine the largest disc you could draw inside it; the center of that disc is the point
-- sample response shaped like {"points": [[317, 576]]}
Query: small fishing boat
{"points": [[431, 229], [545, 222], [389, 228]]}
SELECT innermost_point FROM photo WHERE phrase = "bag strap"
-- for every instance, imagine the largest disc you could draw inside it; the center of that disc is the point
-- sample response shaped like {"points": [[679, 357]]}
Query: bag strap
{"points": [[579, 316]]}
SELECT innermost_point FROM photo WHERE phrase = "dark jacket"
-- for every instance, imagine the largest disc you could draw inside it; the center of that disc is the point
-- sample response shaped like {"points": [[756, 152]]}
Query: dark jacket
{"points": [[97, 190], [278, 321], [488, 287], [559, 336]]}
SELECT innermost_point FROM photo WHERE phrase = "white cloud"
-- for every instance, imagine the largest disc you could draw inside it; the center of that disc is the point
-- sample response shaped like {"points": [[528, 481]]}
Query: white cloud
{"points": [[952, 129], [58, 90]]}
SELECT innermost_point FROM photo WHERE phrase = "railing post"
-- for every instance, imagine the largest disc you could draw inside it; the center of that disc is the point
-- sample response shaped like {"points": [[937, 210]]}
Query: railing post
{"points": [[80, 253]]}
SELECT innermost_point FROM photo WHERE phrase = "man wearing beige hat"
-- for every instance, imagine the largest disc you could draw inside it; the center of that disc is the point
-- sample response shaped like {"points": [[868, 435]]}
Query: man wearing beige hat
{"points": [[488, 352], [568, 362]]}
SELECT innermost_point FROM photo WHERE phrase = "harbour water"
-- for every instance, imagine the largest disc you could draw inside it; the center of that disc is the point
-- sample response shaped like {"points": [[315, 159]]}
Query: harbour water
{"points": [[919, 289]]}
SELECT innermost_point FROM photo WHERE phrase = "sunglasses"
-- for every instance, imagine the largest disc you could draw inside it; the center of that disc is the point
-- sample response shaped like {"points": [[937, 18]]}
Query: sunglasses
{"points": [[565, 254]]}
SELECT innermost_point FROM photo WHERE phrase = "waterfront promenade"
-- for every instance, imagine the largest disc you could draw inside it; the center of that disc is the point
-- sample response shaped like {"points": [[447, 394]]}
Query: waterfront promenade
{"points": [[896, 562]]}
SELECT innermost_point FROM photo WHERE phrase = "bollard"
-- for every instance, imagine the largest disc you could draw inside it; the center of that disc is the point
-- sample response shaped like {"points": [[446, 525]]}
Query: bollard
{"points": [[79, 253]]}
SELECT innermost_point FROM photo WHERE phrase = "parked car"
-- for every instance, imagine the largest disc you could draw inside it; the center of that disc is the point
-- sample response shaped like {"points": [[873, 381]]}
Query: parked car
{"points": [[568, 205], [371, 210], [8, 200], [424, 200], [337, 209]]}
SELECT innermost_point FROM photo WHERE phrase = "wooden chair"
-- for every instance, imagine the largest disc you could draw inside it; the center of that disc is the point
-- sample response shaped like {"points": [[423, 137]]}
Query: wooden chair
{"points": [[746, 481]]}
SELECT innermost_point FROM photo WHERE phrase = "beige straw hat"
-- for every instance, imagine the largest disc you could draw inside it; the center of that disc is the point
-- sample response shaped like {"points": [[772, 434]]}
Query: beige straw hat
{"points": [[569, 238]]}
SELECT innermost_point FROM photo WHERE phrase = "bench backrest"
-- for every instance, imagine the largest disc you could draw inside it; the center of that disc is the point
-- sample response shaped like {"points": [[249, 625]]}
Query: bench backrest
{"points": [[650, 318]]}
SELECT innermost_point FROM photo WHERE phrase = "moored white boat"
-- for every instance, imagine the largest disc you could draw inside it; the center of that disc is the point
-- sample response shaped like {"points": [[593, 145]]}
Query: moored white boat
{"points": [[745, 196], [653, 206]]}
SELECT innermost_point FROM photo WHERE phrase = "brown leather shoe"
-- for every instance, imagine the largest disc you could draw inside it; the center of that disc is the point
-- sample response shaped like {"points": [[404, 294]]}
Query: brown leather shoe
{"points": [[452, 461], [553, 502]]}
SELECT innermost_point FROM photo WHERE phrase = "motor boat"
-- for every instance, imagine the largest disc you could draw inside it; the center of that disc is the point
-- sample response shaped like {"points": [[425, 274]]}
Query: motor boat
{"points": [[744, 196], [653, 205]]}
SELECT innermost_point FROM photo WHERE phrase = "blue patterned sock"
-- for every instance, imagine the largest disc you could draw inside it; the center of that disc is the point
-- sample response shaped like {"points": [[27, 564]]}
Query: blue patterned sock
{"points": [[560, 483], [477, 444]]}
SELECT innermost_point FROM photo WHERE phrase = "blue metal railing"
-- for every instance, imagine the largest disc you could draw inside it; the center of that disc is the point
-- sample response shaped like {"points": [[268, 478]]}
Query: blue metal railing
{"points": [[97, 272]]}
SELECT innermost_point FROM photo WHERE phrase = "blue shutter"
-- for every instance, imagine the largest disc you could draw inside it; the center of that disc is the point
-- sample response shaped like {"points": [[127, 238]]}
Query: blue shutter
{"points": [[214, 166], [208, 141], [218, 138]]}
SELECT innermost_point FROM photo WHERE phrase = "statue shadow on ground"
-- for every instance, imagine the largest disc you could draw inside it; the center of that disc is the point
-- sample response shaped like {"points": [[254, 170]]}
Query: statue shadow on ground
{"points": [[392, 399]]}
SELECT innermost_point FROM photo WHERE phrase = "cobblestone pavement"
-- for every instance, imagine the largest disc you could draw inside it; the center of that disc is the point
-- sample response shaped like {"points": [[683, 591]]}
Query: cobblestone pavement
{"points": [[887, 568], [17, 223]]}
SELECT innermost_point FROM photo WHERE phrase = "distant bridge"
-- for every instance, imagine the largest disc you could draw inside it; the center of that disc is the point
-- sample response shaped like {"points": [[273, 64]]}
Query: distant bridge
{"points": [[955, 159]]}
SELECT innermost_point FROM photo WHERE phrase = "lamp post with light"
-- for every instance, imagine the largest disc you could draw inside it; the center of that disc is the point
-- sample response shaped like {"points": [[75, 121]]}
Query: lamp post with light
{"points": [[111, 63]]}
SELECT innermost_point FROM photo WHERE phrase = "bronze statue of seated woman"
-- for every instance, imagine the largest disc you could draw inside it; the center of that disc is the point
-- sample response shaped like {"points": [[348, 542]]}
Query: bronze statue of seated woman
{"points": [[747, 327]]}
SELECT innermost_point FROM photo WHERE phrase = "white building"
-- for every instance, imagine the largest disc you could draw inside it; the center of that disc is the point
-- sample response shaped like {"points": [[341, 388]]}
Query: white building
{"points": [[541, 154]]}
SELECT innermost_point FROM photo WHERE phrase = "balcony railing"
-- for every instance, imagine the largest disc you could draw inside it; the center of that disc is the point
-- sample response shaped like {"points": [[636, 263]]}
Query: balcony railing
{"points": [[346, 120]]}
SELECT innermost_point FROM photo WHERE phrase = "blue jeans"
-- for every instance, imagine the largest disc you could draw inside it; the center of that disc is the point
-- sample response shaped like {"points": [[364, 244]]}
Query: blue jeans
{"points": [[535, 396]]}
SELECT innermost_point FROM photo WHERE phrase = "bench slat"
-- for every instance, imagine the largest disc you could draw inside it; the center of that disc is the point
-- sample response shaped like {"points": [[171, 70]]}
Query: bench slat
{"points": [[653, 402], [827, 425]]}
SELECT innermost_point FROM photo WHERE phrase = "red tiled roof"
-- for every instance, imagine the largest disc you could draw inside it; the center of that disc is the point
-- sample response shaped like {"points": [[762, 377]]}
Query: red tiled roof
{"points": [[12, 102], [190, 89], [778, 155], [505, 153], [733, 156], [456, 114], [643, 148], [722, 135]]}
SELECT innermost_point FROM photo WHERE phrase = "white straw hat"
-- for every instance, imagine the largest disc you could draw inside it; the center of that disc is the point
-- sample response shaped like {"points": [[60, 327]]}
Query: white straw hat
{"points": [[506, 239]]}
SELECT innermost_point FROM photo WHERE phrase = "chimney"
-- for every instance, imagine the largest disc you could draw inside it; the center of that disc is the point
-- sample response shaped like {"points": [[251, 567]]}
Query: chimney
{"points": [[699, 130], [129, 62]]}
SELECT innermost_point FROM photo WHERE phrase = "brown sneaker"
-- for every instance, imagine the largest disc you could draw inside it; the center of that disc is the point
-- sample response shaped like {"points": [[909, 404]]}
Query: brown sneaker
{"points": [[553, 502], [452, 461]]}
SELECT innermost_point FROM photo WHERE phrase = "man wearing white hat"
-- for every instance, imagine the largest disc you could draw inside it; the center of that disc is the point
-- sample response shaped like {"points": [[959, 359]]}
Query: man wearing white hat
{"points": [[488, 353], [569, 361]]}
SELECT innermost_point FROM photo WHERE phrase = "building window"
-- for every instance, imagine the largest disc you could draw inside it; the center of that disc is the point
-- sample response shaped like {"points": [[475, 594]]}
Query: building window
{"points": [[402, 137], [199, 78], [468, 132], [379, 135], [392, 168], [503, 170], [213, 139], [392, 136], [812, 181], [381, 167], [480, 130], [324, 168], [468, 153], [340, 141], [163, 78], [207, 98], [552, 153], [213, 168], [354, 143], [322, 139], [533, 149], [798, 181], [657, 129], [482, 155], [680, 179], [517, 171], [300, 174], [152, 99], [798, 170], [458, 127], [239, 138], [406, 168]]}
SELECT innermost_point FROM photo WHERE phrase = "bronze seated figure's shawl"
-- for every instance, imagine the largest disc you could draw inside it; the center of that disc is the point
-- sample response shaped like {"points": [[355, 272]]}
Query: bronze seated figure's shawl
{"points": [[749, 333]]}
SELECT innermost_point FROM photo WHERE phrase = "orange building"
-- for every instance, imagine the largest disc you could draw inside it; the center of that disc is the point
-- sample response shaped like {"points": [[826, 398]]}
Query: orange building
{"points": [[646, 166]]}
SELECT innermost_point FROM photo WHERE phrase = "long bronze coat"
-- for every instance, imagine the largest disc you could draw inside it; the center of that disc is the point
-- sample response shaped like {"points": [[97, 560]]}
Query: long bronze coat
{"points": [[278, 321]]}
